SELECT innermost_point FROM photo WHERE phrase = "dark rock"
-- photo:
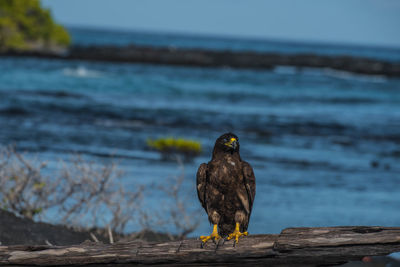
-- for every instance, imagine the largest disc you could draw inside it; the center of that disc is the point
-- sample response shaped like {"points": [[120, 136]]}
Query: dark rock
{"points": [[22, 231], [208, 58], [16, 231], [374, 164]]}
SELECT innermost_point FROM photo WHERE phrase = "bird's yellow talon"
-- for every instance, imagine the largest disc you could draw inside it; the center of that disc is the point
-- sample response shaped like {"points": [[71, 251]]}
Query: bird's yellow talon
{"points": [[236, 234], [214, 235]]}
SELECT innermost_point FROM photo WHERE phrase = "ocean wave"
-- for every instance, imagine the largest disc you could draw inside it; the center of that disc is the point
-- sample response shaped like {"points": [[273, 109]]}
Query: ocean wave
{"points": [[286, 70], [82, 72], [13, 111], [344, 75], [51, 93]]}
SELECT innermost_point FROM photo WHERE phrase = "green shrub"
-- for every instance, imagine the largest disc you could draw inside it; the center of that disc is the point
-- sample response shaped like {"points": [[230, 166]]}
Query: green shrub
{"points": [[25, 25], [10, 36], [171, 147]]}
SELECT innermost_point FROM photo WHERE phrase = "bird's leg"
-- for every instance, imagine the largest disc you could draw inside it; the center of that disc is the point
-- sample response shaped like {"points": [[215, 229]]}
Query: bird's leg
{"points": [[236, 234], [214, 235]]}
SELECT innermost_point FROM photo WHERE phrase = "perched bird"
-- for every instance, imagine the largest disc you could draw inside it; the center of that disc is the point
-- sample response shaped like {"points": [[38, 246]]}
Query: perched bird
{"points": [[226, 187]]}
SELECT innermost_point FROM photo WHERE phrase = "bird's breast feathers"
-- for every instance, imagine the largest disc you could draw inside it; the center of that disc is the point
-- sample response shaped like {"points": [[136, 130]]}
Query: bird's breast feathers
{"points": [[226, 171]]}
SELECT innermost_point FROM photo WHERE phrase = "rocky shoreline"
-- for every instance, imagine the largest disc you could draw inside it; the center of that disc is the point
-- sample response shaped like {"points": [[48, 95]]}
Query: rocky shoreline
{"points": [[208, 58]]}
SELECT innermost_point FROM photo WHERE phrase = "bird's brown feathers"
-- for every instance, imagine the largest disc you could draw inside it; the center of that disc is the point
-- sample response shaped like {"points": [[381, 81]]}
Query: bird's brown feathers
{"points": [[201, 178]]}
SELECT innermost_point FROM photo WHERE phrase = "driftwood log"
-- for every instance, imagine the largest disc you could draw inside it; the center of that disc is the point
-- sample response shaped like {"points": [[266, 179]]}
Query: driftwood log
{"points": [[294, 246]]}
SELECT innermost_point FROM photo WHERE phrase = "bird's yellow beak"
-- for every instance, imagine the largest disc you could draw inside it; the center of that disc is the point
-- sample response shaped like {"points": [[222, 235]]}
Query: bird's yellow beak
{"points": [[232, 143]]}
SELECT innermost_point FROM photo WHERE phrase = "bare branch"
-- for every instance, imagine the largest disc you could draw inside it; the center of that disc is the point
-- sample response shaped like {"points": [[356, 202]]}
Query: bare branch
{"points": [[88, 194], [83, 193]]}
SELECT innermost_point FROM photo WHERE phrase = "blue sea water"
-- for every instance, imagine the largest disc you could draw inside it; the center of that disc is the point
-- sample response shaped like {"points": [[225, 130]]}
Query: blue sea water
{"points": [[324, 144]]}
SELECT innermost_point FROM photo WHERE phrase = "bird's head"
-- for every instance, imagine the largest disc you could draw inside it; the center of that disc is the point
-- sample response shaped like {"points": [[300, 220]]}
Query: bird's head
{"points": [[228, 142]]}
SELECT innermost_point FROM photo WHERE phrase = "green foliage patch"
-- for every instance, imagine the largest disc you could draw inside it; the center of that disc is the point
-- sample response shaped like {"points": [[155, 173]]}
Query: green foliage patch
{"points": [[25, 25], [169, 146]]}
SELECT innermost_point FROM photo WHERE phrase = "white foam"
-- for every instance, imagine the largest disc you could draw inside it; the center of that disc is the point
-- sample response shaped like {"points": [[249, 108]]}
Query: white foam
{"points": [[353, 76], [344, 75], [82, 72]]}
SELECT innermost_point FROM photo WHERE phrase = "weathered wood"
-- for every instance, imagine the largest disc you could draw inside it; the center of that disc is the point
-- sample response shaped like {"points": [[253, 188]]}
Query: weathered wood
{"points": [[300, 246]]}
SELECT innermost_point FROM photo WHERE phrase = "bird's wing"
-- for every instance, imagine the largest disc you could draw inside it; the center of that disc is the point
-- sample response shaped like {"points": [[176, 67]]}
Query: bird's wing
{"points": [[202, 184], [250, 182]]}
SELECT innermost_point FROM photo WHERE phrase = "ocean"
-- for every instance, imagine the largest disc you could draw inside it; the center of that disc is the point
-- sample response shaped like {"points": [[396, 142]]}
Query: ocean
{"points": [[324, 144]]}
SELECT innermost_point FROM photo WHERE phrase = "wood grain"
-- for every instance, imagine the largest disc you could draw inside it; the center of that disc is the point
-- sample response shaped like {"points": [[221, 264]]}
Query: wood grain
{"points": [[299, 246]]}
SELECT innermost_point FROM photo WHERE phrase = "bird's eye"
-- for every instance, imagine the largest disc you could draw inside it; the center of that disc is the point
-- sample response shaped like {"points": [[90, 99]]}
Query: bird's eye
{"points": [[225, 140]]}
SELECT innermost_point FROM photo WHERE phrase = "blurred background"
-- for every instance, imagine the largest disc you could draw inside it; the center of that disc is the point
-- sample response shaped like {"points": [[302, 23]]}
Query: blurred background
{"points": [[324, 143]]}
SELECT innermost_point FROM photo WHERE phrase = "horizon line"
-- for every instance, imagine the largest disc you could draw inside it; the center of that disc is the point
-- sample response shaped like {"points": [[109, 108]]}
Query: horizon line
{"points": [[232, 36]]}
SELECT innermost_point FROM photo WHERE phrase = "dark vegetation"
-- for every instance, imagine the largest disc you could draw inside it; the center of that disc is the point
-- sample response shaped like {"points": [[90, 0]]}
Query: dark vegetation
{"points": [[25, 25]]}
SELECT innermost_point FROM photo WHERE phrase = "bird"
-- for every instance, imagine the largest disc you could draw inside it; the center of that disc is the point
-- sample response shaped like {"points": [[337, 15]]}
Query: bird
{"points": [[226, 187]]}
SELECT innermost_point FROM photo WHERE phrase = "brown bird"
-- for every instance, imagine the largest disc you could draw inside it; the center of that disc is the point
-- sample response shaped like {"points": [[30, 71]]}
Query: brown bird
{"points": [[226, 187]]}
